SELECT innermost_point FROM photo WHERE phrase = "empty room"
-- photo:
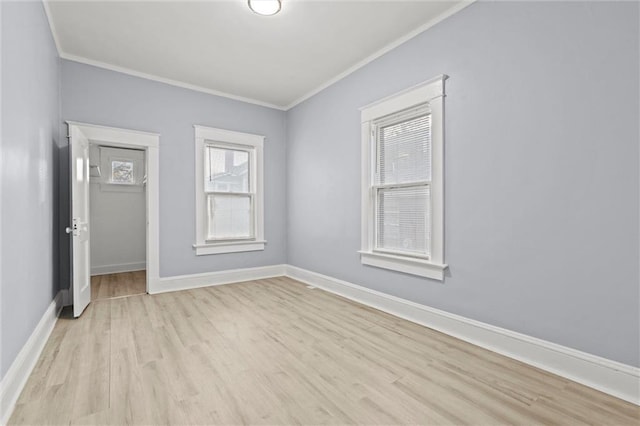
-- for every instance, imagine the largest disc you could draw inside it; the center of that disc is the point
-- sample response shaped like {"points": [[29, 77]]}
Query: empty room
{"points": [[301, 212]]}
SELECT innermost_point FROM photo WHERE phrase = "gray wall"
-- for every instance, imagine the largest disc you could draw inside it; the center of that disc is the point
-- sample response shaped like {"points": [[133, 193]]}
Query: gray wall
{"points": [[29, 174], [541, 171], [98, 96], [118, 217], [542, 168]]}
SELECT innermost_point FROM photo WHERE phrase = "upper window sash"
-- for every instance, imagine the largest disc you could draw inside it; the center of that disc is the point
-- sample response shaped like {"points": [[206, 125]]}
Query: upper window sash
{"points": [[210, 145], [396, 119]]}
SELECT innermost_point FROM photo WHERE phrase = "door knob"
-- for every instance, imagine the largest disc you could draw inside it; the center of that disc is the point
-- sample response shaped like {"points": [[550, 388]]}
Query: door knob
{"points": [[68, 230]]}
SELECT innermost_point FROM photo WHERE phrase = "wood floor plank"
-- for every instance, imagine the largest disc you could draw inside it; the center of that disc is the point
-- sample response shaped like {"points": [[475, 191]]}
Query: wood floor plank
{"points": [[53, 409], [121, 284], [126, 391], [277, 352]]}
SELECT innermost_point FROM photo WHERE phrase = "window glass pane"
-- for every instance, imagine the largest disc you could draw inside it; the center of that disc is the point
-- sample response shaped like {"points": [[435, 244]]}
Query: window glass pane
{"points": [[404, 151], [226, 170], [403, 222], [122, 172], [229, 217]]}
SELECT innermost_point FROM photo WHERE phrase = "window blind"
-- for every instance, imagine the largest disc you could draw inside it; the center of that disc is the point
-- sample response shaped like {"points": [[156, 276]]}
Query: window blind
{"points": [[404, 151], [229, 217], [403, 219], [402, 179]]}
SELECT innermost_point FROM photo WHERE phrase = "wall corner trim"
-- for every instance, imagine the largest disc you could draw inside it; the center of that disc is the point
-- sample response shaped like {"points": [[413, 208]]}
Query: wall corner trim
{"points": [[16, 377], [186, 282], [611, 377]]}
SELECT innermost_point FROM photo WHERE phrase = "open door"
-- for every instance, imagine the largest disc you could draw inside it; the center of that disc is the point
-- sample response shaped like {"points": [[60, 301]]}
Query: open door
{"points": [[79, 229]]}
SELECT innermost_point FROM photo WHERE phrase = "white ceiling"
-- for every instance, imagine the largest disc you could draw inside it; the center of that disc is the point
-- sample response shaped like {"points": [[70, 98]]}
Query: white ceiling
{"points": [[222, 47]]}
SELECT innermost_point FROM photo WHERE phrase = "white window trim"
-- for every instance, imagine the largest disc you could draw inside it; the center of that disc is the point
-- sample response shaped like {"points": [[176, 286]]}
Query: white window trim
{"points": [[255, 143], [431, 92]]}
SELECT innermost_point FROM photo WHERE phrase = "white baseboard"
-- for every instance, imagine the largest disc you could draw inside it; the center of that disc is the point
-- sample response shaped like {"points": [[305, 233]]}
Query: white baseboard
{"points": [[613, 378], [186, 282], [115, 269], [13, 382]]}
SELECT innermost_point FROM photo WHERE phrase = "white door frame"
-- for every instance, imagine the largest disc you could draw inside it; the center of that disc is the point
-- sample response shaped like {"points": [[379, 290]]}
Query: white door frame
{"points": [[150, 143]]}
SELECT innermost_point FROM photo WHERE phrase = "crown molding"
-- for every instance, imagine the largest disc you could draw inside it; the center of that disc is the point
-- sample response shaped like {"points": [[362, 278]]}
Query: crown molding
{"points": [[168, 81], [444, 15], [80, 59]]}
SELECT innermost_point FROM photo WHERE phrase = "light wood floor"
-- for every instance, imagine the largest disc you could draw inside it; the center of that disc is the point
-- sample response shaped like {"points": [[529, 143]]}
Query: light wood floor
{"points": [[275, 352], [118, 285]]}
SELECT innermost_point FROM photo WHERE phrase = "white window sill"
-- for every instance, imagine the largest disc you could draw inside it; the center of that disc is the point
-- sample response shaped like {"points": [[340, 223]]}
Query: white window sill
{"points": [[228, 247], [408, 265]]}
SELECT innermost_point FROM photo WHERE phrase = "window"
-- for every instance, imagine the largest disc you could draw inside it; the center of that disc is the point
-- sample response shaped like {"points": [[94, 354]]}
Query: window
{"points": [[402, 181], [122, 172], [117, 169], [229, 199]]}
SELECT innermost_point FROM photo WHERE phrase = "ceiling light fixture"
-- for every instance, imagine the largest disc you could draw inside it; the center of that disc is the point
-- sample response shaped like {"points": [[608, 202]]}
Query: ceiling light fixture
{"points": [[265, 7]]}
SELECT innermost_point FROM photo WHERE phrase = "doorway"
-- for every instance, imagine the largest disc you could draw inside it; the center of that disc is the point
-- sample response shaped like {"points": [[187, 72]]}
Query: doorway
{"points": [[106, 157], [117, 178]]}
